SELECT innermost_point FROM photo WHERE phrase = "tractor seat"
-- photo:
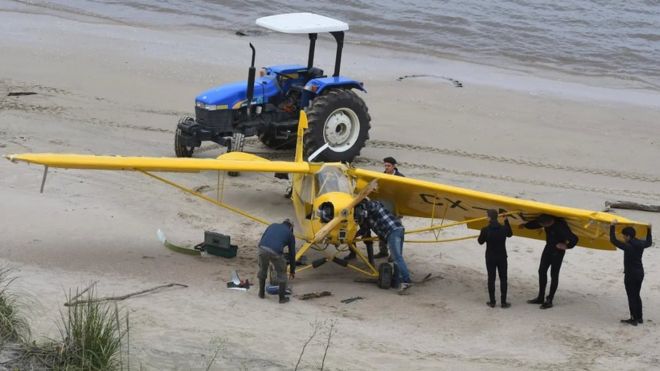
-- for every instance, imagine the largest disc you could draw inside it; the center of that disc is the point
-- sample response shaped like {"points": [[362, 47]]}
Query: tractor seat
{"points": [[314, 72]]}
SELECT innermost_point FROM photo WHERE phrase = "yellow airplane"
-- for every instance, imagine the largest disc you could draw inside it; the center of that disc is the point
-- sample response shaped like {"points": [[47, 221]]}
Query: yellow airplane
{"points": [[325, 196]]}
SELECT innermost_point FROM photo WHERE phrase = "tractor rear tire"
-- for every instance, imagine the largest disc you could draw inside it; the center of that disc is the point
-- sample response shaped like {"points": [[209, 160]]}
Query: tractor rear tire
{"points": [[180, 149], [269, 140], [340, 118]]}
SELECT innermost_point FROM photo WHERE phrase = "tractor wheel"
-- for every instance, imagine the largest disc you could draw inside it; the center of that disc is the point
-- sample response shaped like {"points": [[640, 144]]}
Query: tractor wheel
{"points": [[236, 145], [385, 276], [269, 140], [180, 149], [341, 119]]}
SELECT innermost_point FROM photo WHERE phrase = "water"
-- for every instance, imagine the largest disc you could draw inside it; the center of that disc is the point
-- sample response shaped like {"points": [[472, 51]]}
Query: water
{"points": [[615, 39]]}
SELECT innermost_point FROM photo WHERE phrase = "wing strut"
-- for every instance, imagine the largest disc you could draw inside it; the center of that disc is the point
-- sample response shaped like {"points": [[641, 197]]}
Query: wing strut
{"points": [[435, 228], [43, 180], [205, 198]]}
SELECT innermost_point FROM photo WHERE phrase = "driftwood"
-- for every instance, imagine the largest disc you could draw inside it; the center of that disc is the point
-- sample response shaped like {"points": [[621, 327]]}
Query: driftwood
{"points": [[122, 297], [631, 206], [314, 295], [82, 292], [456, 83]]}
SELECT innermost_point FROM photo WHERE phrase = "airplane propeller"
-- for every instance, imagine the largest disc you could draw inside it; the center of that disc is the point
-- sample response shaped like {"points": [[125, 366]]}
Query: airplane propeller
{"points": [[320, 235]]}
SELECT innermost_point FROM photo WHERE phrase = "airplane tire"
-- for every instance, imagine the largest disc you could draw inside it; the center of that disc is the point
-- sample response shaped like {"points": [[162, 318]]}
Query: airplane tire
{"points": [[180, 149], [395, 276], [385, 276], [340, 118]]}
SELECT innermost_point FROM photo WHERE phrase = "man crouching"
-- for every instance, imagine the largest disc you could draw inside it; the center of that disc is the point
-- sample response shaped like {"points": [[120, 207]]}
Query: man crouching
{"points": [[271, 251]]}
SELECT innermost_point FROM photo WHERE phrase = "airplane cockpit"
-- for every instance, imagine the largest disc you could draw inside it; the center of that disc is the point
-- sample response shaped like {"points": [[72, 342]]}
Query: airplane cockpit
{"points": [[332, 179]]}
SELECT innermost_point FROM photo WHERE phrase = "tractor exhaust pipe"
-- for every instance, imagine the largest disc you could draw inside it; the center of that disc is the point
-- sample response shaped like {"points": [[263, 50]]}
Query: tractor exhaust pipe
{"points": [[250, 83]]}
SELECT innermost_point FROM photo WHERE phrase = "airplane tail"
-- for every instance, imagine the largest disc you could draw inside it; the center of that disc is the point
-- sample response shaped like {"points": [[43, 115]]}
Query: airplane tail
{"points": [[302, 125]]}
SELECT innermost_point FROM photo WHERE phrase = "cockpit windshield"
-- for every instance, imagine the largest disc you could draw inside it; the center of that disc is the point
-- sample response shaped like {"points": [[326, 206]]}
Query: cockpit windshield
{"points": [[332, 179]]}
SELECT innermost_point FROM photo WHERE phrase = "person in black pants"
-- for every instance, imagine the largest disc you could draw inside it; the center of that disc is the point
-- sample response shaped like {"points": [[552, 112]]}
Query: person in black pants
{"points": [[633, 269], [495, 235], [364, 232], [558, 238]]}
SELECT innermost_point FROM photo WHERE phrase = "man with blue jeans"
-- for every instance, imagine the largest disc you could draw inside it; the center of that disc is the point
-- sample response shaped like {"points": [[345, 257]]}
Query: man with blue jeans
{"points": [[389, 228]]}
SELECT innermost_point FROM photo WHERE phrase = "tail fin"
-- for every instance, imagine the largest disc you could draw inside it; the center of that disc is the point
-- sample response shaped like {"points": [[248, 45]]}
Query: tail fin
{"points": [[302, 125]]}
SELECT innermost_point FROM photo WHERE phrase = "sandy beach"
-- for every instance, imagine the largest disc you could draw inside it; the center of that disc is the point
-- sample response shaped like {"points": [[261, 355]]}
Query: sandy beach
{"points": [[111, 88]]}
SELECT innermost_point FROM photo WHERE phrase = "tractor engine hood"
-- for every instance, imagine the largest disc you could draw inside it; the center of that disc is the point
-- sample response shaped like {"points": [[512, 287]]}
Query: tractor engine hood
{"points": [[234, 95]]}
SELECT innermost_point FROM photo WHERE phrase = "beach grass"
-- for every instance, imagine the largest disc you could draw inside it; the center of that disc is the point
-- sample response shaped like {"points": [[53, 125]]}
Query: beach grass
{"points": [[93, 335], [14, 326]]}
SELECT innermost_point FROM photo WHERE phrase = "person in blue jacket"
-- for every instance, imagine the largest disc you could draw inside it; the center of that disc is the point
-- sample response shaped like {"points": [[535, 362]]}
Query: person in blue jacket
{"points": [[633, 270], [271, 251]]}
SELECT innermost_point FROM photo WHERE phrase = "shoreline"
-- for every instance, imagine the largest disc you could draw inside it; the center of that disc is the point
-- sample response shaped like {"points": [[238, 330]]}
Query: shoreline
{"points": [[535, 80]]}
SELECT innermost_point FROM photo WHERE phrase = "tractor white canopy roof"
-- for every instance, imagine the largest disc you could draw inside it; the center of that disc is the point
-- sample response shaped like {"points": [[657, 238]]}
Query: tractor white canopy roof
{"points": [[301, 23]]}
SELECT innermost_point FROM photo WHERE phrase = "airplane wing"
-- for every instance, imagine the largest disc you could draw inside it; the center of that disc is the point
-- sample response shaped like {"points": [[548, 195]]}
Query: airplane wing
{"points": [[413, 197], [232, 161]]}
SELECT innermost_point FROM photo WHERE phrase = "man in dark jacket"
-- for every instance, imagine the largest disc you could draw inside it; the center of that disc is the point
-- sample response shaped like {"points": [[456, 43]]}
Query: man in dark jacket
{"points": [[495, 235], [633, 270], [390, 166], [558, 238], [271, 251]]}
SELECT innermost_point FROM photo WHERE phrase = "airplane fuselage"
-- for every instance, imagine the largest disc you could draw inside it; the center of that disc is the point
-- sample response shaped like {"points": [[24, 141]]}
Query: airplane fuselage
{"points": [[319, 197]]}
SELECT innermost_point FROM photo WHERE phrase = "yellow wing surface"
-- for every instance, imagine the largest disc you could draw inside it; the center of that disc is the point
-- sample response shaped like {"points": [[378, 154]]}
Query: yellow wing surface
{"points": [[232, 161], [413, 197]]}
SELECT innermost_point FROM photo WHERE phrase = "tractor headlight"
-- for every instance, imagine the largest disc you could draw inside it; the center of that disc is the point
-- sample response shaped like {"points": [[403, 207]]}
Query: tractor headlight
{"points": [[211, 107], [312, 87]]}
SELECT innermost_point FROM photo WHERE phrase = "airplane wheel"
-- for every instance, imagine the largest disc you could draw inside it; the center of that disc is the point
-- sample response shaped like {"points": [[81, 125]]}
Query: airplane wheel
{"points": [[384, 276], [180, 149], [341, 119], [395, 276]]}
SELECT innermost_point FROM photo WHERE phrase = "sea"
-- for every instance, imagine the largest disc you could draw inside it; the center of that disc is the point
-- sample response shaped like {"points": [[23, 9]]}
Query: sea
{"points": [[596, 38]]}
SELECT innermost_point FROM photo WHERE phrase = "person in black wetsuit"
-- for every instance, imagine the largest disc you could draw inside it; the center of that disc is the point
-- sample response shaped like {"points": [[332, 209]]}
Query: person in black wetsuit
{"points": [[495, 235], [633, 270], [559, 238]]}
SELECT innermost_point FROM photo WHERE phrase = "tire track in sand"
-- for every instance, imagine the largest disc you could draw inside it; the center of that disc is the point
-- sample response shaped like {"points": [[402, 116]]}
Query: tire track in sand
{"points": [[516, 161], [442, 170]]}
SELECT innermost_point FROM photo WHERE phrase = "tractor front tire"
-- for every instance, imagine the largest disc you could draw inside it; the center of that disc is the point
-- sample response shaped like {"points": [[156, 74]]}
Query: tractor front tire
{"points": [[180, 149], [340, 118]]}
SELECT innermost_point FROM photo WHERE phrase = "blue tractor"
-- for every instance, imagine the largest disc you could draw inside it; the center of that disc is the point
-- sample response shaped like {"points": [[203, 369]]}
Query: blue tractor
{"points": [[269, 105]]}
